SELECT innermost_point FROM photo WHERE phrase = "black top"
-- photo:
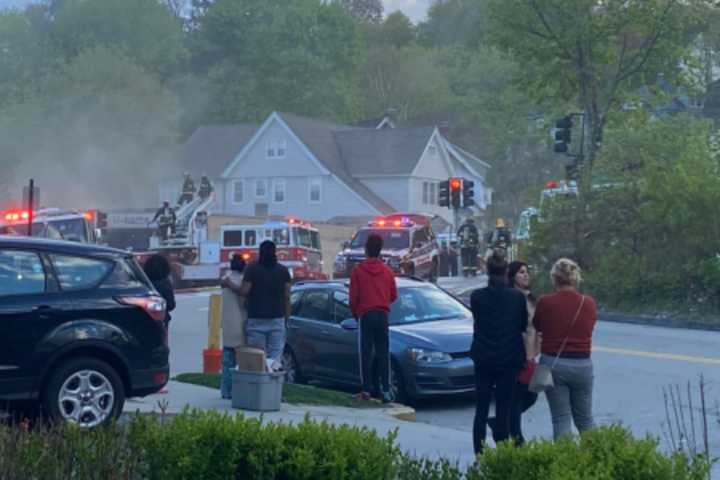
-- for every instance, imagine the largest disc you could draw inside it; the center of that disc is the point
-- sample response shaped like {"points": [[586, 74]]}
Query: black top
{"points": [[501, 317], [267, 294], [165, 289]]}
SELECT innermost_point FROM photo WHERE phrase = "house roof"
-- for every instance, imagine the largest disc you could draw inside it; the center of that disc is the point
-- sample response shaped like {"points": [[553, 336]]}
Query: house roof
{"points": [[317, 135], [391, 151], [210, 148]]}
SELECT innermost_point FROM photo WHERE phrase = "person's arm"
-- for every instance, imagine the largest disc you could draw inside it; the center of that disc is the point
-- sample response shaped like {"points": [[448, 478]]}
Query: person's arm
{"points": [[393, 288], [170, 299]]}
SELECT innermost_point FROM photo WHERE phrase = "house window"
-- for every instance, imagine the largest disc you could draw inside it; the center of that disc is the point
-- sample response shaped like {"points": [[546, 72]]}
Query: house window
{"points": [[238, 191], [315, 189], [432, 193], [432, 150], [279, 190], [260, 188], [276, 148], [426, 193]]}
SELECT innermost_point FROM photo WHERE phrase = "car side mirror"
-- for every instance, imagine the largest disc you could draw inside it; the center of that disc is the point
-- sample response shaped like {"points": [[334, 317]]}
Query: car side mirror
{"points": [[349, 324]]}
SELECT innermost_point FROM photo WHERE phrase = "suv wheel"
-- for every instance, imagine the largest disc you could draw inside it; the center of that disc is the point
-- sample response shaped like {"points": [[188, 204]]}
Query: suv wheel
{"points": [[291, 368], [397, 385], [84, 391]]}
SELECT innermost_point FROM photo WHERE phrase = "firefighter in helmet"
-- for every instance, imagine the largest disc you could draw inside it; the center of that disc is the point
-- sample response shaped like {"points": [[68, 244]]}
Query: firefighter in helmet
{"points": [[469, 239], [188, 190], [499, 240], [206, 188], [165, 216]]}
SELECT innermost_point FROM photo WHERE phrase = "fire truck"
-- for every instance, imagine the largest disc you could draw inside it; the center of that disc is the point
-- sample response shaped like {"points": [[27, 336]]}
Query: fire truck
{"points": [[409, 246], [56, 223], [297, 242]]}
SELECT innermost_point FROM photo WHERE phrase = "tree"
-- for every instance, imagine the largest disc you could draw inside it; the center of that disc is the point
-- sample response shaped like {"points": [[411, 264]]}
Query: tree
{"points": [[369, 11], [22, 60], [395, 31], [593, 53], [265, 55], [455, 22]]}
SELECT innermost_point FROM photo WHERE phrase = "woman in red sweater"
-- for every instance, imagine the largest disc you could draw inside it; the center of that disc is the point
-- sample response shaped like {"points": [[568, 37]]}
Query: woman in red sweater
{"points": [[566, 320]]}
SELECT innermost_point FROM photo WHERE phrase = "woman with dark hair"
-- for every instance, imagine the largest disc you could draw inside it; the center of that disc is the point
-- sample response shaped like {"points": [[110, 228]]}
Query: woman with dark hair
{"points": [[157, 268], [266, 286], [498, 352], [234, 317]]}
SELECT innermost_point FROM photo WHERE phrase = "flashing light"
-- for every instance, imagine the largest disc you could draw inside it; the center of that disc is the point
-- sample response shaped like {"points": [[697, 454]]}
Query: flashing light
{"points": [[381, 223], [246, 256], [551, 184], [17, 216], [455, 183], [25, 215], [397, 223], [88, 216], [292, 221]]}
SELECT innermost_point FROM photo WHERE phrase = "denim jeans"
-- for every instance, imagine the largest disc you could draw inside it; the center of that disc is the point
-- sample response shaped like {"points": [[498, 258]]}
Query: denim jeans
{"points": [[228, 363], [267, 334], [571, 398]]}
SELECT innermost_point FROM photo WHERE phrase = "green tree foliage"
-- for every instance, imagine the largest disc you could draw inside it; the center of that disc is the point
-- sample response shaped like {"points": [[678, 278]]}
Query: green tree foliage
{"points": [[21, 58], [368, 11], [455, 22], [395, 31], [264, 55]]}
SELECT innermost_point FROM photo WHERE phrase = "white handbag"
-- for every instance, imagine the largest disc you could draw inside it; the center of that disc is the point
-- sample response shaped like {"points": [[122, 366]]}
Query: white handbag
{"points": [[542, 379]]}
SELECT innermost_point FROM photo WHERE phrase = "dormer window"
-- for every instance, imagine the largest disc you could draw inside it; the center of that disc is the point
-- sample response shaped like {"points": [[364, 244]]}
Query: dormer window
{"points": [[276, 149]]}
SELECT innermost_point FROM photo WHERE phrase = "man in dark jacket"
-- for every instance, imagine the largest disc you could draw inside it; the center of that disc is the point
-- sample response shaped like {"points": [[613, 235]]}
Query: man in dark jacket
{"points": [[372, 291], [501, 317]]}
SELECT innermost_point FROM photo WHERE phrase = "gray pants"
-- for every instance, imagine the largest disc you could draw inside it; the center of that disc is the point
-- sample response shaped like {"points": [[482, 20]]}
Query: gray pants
{"points": [[267, 334], [571, 399]]}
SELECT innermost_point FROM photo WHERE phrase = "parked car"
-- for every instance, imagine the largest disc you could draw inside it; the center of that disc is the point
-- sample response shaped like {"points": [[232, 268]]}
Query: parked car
{"points": [[430, 337], [81, 329]]}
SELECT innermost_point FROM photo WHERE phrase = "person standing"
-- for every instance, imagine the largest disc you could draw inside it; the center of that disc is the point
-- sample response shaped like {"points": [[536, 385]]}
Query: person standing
{"points": [[266, 286], [469, 238], [372, 291], [234, 317], [500, 319], [566, 319], [165, 216], [206, 188], [453, 259], [188, 190], [157, 269]]}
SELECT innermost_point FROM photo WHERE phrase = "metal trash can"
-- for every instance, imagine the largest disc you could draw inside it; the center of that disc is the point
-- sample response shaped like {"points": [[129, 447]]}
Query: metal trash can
{"points": [[260, 391]]}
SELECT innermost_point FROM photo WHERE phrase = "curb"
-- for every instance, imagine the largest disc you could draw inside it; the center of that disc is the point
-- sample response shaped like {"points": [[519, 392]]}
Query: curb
{"points": [[657, 321], [401, 412]]}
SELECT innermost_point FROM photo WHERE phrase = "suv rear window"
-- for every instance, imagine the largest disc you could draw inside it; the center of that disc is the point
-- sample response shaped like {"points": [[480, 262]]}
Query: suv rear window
{"points": [[21, 273], [122, 276], [77, 273]]}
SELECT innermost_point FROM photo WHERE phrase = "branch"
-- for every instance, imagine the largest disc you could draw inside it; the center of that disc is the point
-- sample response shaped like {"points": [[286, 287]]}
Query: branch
{"points": [[548, 28]]}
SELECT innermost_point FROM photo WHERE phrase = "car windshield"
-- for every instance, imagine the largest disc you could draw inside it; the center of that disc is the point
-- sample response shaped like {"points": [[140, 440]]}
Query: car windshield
{"points": [[71, 229], [38, 230], [425, 304], [307, 238], [393, 239]]}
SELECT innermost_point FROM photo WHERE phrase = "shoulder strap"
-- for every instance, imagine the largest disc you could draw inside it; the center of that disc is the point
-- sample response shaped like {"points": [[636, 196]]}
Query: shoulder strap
{"points": [[572, 324]]}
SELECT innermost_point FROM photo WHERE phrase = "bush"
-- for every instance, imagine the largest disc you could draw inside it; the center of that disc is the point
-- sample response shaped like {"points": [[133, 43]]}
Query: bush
{"points": [[607, 453]]}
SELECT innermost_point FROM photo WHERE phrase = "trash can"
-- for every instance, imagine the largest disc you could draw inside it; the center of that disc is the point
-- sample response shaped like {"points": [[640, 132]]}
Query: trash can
{"points": [[260, 391]]}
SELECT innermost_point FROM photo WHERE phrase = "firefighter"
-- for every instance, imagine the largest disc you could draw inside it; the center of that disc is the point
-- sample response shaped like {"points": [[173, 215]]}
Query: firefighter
{"points": [[165, 216], [206, 188], [188, 190], [499, 240], [469, 239]]}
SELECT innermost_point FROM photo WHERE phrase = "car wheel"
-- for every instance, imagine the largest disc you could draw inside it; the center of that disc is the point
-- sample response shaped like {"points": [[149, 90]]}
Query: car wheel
{"points": [[291, 368], [397, 384], [84, 391]]}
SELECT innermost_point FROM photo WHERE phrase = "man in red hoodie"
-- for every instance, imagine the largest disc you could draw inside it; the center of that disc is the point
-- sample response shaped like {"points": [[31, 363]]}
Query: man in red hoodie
{"points": [[372, 291]]}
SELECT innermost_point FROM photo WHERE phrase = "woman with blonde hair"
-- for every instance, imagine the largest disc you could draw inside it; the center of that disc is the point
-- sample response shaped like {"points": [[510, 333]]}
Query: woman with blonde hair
{"points": [[566, 319]]}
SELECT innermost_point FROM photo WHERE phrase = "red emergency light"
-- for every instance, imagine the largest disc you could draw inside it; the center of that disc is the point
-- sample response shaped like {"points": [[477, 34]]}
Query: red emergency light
{"points": [[88, 216], [16, 216], [455, 183], [551, 184]]}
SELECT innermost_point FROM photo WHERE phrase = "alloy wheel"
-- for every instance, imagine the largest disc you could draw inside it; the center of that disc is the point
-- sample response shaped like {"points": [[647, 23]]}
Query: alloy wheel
{"points": [[86, 398]]}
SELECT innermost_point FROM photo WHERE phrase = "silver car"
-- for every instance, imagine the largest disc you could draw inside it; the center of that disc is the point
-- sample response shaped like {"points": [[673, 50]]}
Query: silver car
{"points": [[430, 337]]}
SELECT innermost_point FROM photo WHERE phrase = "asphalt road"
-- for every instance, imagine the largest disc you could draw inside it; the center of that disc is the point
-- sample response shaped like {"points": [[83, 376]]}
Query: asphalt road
{"points": [[632, 365]]}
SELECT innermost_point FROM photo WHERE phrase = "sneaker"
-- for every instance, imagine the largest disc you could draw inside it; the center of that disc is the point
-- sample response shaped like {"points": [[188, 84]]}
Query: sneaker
{"points": [[363, 396]]}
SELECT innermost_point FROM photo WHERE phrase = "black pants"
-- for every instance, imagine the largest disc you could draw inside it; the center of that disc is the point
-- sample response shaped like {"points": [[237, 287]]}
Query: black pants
{"points": [[504, 381], [375, 348], [523, 399], [469, 259]]}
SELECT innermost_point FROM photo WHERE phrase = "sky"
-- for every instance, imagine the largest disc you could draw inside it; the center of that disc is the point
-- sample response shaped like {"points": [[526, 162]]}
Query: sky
{"points": [[415, 9]]}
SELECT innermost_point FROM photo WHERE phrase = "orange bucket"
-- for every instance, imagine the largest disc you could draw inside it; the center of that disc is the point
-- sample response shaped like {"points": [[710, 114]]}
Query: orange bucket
{"points": [[212, 360]]}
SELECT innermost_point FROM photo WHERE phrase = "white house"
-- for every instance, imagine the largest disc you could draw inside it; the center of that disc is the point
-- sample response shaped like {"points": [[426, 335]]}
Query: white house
{"points": [[317, 170]]}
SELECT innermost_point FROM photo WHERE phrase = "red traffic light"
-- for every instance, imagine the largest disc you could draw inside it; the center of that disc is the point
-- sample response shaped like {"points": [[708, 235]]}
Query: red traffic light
{"points": [[455, 183]]}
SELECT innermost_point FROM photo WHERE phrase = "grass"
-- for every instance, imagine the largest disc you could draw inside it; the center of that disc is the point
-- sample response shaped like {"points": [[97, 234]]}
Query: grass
{"points": [[292, 393]]}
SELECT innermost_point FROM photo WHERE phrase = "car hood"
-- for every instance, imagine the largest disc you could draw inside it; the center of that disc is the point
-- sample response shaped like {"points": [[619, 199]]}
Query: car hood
{"points": [[360, 253], [451, 336]]}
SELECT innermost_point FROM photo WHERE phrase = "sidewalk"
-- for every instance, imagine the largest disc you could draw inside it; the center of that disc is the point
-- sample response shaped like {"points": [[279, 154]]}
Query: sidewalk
{"points": [[419, 439]]}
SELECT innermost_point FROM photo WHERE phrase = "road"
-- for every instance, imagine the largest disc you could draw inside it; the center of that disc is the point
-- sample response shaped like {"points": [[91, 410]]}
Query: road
{"points": [[632, 365]]}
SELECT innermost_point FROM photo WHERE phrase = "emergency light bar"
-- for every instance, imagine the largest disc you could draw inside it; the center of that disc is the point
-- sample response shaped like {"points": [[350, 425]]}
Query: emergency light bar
{"points": [[17, 216], [383, 222]]}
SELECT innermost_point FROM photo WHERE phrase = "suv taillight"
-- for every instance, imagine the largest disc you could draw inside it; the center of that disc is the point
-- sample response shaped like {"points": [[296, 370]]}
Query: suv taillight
{"points": [[153, 305]]}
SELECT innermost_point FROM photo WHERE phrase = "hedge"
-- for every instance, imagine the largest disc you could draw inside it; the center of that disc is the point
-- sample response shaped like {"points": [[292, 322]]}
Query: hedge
{"points": [[210, 445]]}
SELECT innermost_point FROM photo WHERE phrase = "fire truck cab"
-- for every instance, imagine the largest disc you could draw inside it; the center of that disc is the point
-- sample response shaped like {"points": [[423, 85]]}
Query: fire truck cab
{"points": [[297, 242], [53, 223]]}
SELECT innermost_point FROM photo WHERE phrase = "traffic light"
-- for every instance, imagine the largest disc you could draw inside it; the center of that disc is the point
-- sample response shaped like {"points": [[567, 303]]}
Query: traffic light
{"points": [[455, 190], [468, 193], [563, 135], [444, 193]]}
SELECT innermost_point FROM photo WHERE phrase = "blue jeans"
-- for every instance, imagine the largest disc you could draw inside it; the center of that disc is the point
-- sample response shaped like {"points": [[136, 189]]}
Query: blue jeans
{"points": [[228, 363]]}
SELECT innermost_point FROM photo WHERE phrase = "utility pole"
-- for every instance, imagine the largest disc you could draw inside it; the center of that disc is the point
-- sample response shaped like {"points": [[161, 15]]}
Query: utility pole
{"points": [[31, 204]]}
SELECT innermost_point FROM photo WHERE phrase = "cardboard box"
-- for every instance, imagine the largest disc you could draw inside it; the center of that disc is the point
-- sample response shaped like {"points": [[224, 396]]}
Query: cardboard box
{"points": [[250, 359]]}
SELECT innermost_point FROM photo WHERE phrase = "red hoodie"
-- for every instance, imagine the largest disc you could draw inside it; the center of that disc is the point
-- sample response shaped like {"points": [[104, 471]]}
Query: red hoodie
{"points": [[372, 287]]}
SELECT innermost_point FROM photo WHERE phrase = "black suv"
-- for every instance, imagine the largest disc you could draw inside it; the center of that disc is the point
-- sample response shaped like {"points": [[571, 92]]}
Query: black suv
{"points": [[81, 329]]}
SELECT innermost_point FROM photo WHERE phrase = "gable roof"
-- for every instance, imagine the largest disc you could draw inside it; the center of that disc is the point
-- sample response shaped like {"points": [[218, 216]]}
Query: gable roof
{"points": [[210, 148], [391, 151], [317, 135]]}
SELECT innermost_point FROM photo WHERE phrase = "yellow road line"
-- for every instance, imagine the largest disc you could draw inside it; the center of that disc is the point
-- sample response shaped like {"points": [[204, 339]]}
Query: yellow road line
{"points": [[663, 356]]}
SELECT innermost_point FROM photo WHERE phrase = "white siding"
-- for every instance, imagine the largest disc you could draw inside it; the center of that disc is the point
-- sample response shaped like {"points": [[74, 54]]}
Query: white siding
{"points": [[394, 190], [416, 199]]}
